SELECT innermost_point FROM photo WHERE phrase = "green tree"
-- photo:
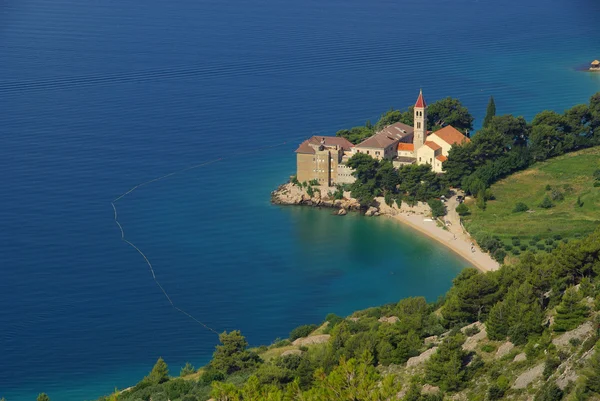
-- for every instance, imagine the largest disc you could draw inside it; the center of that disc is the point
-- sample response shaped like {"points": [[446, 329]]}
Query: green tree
{"points": [[513, 129], [43, 397], [302, 331], [460, 163], [497, 322], [446, 367], [471, 297], [449, 111], [546, 203], [232, 355], [546, 141], [462, 210], [438, 209], [592, 373], [159, 373], [188, 369], [490, 112], [520, 207], [571, 312]]}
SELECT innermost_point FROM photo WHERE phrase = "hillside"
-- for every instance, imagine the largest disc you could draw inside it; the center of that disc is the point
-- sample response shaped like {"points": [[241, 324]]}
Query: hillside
{"points": [[569, 176], [528, 331]]}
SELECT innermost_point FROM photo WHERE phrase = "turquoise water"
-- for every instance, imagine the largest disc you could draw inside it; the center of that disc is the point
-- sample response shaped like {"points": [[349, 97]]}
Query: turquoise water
{"points": [[96, 97]]}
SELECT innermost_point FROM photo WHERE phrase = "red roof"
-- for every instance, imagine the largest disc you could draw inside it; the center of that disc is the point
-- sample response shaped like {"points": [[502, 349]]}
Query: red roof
{"points": [[420, 101], [406, 146], [451, 135], [433, 145], [441, 158]]}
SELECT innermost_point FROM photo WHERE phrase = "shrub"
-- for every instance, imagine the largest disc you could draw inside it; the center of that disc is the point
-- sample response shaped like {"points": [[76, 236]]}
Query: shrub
{"points": [[488, 348], [516, 241], [310, 191], [540, 246], [462, 210], [568, 188], [314, 182], [389, 200], [516, 252], [546, 203], [438, 208], [549, 241], [471, 331], [399, 202], [523, 248], [508, 247], [532, 242], [557, 237], [211, 375], [579, 203], [536, 238], [548, 187], [596, 184], [294, 180], [302, 331], [520, 207], [499, 255], [556, 195]]}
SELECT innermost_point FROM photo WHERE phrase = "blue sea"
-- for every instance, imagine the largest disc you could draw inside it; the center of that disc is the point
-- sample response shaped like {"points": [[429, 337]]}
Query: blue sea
{"points": [[97, 97]]}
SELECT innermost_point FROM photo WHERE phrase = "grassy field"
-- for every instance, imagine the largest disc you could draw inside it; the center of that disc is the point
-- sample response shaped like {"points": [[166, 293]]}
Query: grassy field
{"points": [[571, 174]]}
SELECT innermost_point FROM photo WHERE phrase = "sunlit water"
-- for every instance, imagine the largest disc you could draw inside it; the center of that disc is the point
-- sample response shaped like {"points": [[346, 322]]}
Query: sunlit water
{"points": [[96, 97]]}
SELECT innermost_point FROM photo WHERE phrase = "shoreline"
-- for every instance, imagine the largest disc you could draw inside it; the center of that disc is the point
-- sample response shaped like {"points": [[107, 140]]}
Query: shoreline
{"points": [[417, 218], [439, 235]]}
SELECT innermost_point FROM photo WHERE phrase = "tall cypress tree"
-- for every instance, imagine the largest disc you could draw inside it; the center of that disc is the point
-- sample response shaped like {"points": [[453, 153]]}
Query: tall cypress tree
{"points": [[490, 112]]}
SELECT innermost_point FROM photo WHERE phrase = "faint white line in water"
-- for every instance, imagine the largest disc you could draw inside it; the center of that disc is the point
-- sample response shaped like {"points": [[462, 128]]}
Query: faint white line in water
{"points": [[256, 150]]}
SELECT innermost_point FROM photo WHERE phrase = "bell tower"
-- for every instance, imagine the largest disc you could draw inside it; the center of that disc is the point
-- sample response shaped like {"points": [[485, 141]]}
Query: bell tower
{"points": [[420, 121]]}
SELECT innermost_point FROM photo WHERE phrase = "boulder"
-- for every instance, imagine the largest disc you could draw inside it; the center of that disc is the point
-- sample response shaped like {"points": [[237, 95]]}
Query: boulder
{"points": [[529, 376], [342, 212], [371, 211], [580, 333], [504, 349], [429, 389], [320, 339], [471, 342], [520, 358], [431, 340], [424, 357], [291, 352], [390, 320]]}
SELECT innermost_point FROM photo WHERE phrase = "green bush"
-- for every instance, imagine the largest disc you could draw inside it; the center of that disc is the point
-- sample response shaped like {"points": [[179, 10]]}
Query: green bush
{"points": [[499, 254], [540, 246], [546, 203], [488, 348], [548, 187], [294, 180], [302, 331], [508, 247], [438, 208], [596, 184], [462, 210], [314, 182], [520, 207], [516, 252], [549, 241], [310, 191], [516, 241], [523, 247]]}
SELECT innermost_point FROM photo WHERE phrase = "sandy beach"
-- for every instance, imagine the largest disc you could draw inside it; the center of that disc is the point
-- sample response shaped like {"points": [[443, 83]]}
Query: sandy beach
{"points": [[453, 237]]}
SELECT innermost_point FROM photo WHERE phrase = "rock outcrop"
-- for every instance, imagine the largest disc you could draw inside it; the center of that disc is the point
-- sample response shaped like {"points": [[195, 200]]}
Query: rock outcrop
{"points": [[504, 349], [424, 357], [319, 339], [529, 376]]}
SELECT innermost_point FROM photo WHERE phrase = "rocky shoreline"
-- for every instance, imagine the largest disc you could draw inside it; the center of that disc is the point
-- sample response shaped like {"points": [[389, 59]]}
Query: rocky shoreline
{"points": [[290, 194]]}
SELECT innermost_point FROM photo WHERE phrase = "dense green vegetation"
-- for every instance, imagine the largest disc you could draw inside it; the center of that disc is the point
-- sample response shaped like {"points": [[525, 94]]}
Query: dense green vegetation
{"points": [[446, 111], [411, 183], [365, 356], [536, 209], [507, 144]]}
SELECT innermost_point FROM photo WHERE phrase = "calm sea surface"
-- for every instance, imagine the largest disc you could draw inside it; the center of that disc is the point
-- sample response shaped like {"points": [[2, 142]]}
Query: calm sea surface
{"points": [[98, 96]]}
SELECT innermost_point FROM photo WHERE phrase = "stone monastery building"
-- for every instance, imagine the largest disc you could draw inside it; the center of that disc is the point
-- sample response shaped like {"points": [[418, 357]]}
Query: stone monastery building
{"points": [[323, 158]]}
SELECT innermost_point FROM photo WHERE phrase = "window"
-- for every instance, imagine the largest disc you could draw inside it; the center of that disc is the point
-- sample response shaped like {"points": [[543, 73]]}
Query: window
{"points": [[419, 159], [367, 152], [419, 125]]}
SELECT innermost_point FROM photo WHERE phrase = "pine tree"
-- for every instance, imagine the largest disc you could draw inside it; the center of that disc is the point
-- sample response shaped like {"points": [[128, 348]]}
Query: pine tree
{"points": [[490, 112], [571, 312], [43, 397], [497, 324], [159, 373]]}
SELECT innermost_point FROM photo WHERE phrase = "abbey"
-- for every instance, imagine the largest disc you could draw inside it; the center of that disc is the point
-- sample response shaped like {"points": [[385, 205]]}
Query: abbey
{"points": [[324, 158]]}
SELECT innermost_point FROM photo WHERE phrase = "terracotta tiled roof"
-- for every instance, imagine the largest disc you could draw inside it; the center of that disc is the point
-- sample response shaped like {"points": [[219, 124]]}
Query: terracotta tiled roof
{"points": [[387, 136], [406, 146], [420, 101], [329, 141], [441, 158], [433, 145], [451, 135]]}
